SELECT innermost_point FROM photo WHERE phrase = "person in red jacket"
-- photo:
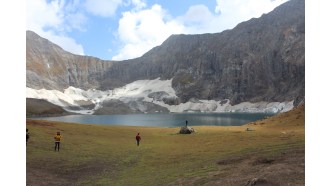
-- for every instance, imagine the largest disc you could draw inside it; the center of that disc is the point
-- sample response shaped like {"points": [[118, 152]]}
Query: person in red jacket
{"points": [[138, 139]]}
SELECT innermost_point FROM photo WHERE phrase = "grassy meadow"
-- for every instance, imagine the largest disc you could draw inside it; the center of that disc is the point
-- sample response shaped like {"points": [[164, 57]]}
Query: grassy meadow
{"points": [[213, 155]]}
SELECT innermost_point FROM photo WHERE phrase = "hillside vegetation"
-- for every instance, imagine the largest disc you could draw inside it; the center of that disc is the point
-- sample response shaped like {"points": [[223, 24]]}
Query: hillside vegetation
{"points": [[270, 152]]}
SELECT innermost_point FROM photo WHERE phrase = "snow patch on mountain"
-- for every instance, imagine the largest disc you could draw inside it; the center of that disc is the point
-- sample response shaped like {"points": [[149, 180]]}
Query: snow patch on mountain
{"points": [[152, 91]]}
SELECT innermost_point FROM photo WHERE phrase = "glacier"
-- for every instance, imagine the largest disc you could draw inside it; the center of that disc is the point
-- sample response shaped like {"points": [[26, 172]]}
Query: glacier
{"points": [[152, 91]]}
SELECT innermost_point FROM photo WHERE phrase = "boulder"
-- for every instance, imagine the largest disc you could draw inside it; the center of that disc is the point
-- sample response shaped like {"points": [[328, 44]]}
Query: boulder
{"points": [[186, 130], [257, 181]]}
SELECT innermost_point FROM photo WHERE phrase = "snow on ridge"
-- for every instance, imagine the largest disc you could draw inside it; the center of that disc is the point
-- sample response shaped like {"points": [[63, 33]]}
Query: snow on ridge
{"points": [[140, 90], [217, 107], [54, 96], [131, 91]]}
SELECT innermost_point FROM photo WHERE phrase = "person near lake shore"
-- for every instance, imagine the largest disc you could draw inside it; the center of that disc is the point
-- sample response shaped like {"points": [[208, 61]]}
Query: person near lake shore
{"points": [[186, 123], [27, 136], [57, 139], [138, 139]]}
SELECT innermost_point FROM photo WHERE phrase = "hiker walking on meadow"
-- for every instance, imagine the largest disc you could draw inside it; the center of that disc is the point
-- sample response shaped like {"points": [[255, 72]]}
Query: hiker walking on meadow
{"points": [[138, 138], [27, 136], [57, 139]]}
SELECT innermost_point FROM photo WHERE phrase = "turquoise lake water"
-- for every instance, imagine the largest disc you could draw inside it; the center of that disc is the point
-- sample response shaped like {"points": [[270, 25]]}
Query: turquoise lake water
{"points": [[164, 120]]}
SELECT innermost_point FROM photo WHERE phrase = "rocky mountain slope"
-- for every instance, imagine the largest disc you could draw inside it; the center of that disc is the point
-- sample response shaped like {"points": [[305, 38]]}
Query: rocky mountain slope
{"points": [[39, 107], [49, 66], [260, 60]]}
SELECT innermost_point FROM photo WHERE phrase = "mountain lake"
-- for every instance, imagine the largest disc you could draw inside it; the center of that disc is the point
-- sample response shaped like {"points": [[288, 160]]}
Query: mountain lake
{"points": [[164, 120]]}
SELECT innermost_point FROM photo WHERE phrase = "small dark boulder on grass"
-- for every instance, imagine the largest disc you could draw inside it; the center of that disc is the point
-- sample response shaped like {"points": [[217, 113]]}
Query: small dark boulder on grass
{"points": [[186, 130]]}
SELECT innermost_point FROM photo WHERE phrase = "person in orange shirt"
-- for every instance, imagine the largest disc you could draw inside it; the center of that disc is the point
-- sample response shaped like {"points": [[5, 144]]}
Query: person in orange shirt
{"points": [[57, 139]]}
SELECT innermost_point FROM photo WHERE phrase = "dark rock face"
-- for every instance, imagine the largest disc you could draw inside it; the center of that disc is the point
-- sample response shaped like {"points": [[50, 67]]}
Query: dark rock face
{"points": [[262, 59], [38, 107], [158, 96], [114, 107], [165, 97], [146, 107]]}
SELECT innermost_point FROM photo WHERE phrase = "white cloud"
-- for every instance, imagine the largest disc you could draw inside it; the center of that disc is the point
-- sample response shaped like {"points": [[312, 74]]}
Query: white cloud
{"points": [[76, 21], [141, 30], [105, 8], [50, 20], [233, 12], [198, 14], [139, 4], [42, 14], [67, 43], [199, 19], [227, 14]]}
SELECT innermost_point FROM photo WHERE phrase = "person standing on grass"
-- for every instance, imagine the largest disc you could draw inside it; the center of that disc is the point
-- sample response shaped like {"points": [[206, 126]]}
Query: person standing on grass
{"points": [[27, 136], [57, 139], [138, 139]]}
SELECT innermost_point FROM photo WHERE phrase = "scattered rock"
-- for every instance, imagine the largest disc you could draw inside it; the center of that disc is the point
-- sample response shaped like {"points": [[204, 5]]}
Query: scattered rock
{"points": [[222, 102], [158, 96], [256, 181], [249, 129], [263, 161]]}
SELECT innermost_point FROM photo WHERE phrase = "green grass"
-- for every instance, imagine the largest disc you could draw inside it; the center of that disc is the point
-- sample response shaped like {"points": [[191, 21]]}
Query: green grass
{"points": [[108, 155]]}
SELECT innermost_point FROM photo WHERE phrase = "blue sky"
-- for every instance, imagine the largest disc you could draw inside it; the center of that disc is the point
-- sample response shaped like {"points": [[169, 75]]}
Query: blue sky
{"points": [[125, 29]]}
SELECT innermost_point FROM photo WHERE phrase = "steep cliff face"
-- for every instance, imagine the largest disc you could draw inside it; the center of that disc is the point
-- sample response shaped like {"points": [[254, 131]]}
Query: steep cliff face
{"points": [[49, 66], [261, 59]]}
